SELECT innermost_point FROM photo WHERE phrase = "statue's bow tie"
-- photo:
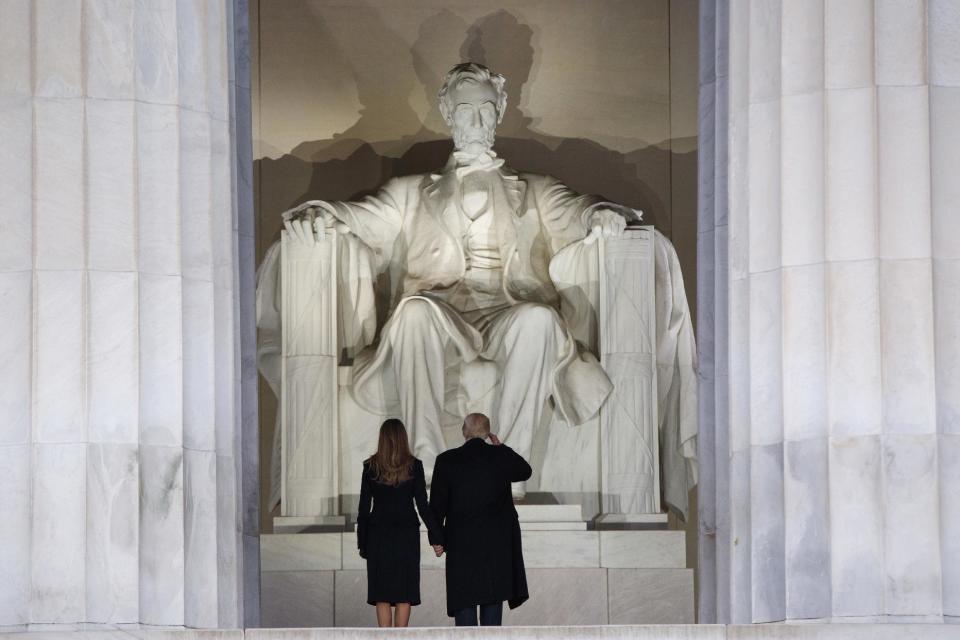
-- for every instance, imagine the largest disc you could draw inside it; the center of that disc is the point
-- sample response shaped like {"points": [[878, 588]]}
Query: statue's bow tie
{"points": [[468, 163]]}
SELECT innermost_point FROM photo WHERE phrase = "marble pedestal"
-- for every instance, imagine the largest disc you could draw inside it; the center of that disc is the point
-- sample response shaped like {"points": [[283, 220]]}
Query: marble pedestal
{"points": [[576, 576]]}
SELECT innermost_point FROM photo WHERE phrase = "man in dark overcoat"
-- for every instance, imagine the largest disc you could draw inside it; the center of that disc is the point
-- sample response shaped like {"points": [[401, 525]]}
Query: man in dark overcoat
{"points": [[470, 496]]}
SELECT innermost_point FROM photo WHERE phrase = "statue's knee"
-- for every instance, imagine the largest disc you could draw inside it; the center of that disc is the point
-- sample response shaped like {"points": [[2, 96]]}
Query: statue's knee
{"points": [[414, 311], [537, 317]]}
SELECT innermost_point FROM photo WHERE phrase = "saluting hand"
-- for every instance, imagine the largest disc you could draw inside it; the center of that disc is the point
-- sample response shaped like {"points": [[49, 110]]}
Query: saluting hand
{"points": [[494, 439]]}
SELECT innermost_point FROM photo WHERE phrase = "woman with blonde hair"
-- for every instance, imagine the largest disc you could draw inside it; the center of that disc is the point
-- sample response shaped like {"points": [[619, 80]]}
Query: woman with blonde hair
{"points": [[388, 535]]}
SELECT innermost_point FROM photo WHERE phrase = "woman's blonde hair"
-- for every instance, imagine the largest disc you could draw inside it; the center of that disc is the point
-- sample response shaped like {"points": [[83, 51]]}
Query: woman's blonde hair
{"points": [[393, 461]]}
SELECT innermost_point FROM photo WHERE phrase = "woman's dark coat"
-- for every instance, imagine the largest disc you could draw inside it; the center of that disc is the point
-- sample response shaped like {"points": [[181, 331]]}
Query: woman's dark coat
{"points": [[388, 536], [470, 495]]}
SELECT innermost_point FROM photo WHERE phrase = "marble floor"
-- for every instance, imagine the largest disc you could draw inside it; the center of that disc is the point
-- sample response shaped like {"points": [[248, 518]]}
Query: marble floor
{"points": [[837, 631]]}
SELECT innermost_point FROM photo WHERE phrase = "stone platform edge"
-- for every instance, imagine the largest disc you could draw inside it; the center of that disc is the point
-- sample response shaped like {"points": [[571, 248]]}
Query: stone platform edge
{"points": [[776, 631]]}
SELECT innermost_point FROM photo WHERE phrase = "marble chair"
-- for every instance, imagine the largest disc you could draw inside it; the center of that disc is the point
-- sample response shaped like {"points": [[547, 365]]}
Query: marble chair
{"points": [[610, 465]]}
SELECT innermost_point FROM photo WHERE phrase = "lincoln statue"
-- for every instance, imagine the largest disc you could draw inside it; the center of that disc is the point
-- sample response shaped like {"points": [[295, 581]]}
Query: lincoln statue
{"points": [[471, 253]]}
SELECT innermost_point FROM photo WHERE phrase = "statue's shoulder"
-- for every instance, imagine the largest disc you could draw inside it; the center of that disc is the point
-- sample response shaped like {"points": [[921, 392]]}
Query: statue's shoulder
{"points": [[538, 180], [410, 180], [403, 183]]}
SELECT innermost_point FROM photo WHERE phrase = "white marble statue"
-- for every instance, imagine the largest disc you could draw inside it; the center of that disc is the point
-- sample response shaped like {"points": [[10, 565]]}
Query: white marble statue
{"points": [[474, 254]]}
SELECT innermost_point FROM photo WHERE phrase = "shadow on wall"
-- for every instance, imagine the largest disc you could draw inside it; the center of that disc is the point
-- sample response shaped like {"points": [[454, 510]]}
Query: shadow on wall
{"points": [[355, 163]]}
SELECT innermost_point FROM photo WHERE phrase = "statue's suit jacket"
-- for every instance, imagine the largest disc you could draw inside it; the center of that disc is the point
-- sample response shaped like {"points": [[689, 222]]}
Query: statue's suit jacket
{"points": [[406, 225], [408, 228]]}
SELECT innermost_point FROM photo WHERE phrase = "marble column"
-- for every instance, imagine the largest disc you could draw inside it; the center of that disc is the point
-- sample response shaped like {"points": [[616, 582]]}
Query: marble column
{"points": [[830, 306], [119, 302]]}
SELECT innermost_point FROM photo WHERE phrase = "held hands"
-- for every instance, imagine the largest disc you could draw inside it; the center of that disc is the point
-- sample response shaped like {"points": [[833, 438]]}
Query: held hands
{"points": [[605, 223], [438, 549]]}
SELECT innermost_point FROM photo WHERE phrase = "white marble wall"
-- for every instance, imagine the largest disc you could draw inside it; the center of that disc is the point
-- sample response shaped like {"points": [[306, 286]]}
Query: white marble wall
{"points": [[120, 350], [830, 322]]}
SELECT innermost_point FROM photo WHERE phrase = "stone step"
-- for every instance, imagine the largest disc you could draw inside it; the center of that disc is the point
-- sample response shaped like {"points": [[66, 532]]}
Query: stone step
{"points": [[296, 524], [550, 512], [544, 549], [554, 526], [627, 519], [533, 517]]}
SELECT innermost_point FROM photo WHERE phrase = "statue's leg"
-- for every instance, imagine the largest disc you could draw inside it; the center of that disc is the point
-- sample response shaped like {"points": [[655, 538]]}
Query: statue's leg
{"points": [[526, 340], [418, 345]]}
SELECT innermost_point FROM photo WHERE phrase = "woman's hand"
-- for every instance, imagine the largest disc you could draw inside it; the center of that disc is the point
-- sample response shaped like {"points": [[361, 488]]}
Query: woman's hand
{"points": [[438, 549]]}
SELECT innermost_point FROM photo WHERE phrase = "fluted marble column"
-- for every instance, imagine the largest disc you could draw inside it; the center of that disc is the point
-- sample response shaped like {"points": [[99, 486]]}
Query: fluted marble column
{"points": [[830, 280], [120, 314]]}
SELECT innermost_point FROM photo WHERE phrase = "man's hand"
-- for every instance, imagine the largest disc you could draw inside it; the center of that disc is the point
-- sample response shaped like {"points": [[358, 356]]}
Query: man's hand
{"points": [[438, 549], [494, 440], [606, 223]]}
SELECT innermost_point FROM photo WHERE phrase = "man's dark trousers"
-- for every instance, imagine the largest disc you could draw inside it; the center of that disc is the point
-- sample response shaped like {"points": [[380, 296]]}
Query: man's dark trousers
{"points": [[491, 615]]}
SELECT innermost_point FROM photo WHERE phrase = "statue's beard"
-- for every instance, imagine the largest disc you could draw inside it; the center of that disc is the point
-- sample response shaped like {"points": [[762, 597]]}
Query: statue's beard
{"points": [[473, 140]]}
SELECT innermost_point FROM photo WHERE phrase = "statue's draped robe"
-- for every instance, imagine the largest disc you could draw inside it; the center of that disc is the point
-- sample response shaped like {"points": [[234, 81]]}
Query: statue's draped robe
{"points": [[400, 232]]}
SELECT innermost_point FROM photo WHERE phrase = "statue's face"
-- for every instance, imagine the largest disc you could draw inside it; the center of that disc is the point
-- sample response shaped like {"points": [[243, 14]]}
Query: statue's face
{"points": [[473, 115]]}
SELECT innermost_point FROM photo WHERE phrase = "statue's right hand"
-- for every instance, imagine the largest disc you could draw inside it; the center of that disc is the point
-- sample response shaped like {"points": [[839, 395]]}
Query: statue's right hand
{"points": [[310, 220], [301, 230], [309, 210]]}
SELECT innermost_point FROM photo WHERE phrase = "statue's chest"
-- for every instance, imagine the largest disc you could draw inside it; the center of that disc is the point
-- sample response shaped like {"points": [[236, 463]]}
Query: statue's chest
{"points": [[474, 196]]}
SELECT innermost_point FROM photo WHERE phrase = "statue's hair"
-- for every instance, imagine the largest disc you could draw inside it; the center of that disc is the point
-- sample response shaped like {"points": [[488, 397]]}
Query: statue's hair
{"points": [[476, 425], [474, 72]]}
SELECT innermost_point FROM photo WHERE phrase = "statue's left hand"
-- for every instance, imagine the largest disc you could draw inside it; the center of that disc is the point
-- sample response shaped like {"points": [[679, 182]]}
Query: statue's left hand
{"points": [[604, 222]]}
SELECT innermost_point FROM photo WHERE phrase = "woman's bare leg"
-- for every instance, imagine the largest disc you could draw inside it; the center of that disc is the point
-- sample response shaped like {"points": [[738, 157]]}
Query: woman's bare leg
{"points": [[384, 617], [402, 615]]}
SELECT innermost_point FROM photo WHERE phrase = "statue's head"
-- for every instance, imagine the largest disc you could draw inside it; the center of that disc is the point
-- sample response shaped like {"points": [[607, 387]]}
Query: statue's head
{"points": [[472, 101]]}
